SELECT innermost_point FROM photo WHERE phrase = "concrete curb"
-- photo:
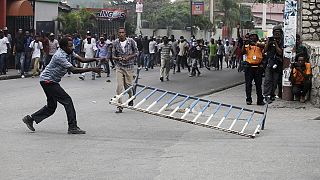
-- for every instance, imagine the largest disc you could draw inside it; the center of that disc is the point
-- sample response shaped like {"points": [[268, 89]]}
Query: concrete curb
{"points": [[213, 91], [8, 77]]}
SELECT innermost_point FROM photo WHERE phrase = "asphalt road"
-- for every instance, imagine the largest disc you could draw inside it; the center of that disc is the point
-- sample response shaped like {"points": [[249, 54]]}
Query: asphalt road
{"points": [[130, 145]]}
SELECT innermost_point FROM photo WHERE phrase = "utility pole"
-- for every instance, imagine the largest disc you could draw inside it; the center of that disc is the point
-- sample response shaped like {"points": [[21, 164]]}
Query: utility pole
{"points": [[191, 17], [290, 30], [139, 10], [211, 4], [264, 17]]}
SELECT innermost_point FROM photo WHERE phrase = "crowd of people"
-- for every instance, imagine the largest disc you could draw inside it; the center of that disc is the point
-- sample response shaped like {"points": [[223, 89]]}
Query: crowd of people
{"points": [[52, 59], [256, 57]]}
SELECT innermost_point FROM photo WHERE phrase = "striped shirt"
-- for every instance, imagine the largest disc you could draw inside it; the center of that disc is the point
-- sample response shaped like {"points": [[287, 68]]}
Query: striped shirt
{"points": [[57, 67], [130, 48], [165, 51]]}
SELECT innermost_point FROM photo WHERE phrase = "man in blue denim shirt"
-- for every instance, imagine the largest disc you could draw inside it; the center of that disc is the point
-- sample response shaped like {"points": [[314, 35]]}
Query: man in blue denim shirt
{"points": [[49, 81], [124, 52]]}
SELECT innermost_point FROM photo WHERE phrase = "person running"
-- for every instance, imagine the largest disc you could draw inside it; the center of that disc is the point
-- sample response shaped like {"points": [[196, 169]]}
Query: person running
{"points": [[49, 81], [124, 51], [165, 50]]}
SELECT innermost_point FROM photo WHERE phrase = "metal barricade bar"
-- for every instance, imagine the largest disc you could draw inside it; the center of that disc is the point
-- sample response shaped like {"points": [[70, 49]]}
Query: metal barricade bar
{"points": [[235, 116]]}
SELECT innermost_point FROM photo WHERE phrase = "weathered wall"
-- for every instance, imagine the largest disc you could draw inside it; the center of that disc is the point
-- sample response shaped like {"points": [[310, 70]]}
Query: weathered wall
{"points": [[314, 48], [311, 20]]}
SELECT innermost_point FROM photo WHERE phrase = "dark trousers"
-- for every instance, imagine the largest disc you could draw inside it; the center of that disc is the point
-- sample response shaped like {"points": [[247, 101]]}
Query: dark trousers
{"points": [[182, 60], [253, 73], [301, 89], [220, 60], [270, 81], [3, 63], [55, 93]]}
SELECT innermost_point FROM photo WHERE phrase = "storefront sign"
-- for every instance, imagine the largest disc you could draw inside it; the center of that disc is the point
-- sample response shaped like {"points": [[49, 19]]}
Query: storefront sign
{"points": [[109, 14]]}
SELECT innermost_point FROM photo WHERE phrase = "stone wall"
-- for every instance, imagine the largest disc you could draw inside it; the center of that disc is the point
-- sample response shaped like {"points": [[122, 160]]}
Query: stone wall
{"points": [[314, 50], [311, 20]]}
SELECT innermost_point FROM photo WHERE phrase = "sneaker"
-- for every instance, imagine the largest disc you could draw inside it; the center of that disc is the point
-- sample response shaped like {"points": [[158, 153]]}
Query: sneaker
{"points": [[130, 103], [190, 75], [161, 79], [29, 122], [108, 75], [268, 100], [76, 130], [22, 76], [146, 69], [302, 99], [119, 109], [81, 77], [249, 102]]}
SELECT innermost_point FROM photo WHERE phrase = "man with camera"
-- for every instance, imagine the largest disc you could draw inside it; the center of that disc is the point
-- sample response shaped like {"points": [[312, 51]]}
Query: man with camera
{"points": [[273, 63], [301, 78], [253, 68]]}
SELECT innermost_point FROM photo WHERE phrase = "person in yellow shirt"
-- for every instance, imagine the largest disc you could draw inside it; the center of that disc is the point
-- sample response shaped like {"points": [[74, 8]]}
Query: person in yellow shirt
{"points": [[253, 69], [301, 78]]}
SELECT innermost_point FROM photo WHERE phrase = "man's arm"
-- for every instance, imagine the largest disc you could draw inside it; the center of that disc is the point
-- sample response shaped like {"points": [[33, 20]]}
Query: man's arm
{"points": [[75, 70], [86, 60]]}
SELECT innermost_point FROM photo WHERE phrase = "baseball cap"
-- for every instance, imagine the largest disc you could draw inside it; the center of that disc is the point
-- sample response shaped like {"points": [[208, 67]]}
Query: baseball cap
{"points": [[51, 34]]}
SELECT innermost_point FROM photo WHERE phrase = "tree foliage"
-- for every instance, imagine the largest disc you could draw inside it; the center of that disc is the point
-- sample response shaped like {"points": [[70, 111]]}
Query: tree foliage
{"points": [[77, 21], [175, 15]]}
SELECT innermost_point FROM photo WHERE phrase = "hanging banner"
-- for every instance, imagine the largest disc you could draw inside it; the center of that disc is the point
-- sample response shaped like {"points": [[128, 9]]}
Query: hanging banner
{"points": [[139, 6], [290, 31], [290, 28], [109, 14], [197, 8]]}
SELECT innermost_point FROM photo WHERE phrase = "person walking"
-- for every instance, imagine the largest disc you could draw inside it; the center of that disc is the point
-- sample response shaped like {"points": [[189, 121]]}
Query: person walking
{"points": [[53, 47], [195, 55], [124, 52], [36, 50], [103, 52], [165, 49], [19, 52], [182, 55], [146, 53], [89, 48], [4, 47], [49, 81], [212, 54], [220, 54], [152, 51]]}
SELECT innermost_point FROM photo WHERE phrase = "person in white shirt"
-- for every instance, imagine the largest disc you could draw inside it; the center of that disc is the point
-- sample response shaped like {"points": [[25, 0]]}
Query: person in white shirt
{"points": [[89, 49], [53, 47], [152, 51], [227, 53], [36, 48], [4, 46]]}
